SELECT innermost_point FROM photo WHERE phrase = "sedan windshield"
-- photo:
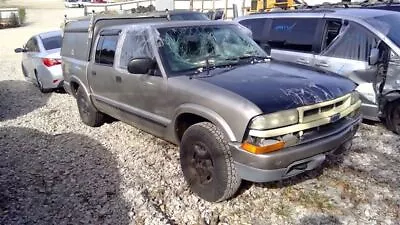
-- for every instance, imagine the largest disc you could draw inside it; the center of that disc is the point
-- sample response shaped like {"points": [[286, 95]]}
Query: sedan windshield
{"points": [[199, 48], [388, 25], [52, 42]]}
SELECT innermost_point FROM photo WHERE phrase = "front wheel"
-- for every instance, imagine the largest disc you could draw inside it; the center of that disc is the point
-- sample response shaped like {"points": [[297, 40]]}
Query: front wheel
{"points": [[207, 163], [393, 117], [88, 113]]}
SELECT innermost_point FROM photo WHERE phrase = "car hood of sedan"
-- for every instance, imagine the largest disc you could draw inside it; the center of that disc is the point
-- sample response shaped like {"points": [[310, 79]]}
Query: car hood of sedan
{"points": [[276, 86]]}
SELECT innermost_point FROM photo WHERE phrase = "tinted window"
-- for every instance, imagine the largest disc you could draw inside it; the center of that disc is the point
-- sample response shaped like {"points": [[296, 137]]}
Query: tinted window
{"points": [[189, 16], [75, 45], [293, 34], [257, 26], [52, 42], [105, 50]]}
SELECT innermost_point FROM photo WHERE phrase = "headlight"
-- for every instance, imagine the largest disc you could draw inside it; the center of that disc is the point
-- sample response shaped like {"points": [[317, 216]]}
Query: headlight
{"points": [[355, 97], [275, 120]]}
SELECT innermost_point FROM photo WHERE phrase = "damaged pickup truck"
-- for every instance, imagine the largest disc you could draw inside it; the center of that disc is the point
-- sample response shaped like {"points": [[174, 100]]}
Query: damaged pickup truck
{"points": [[209, 88]]}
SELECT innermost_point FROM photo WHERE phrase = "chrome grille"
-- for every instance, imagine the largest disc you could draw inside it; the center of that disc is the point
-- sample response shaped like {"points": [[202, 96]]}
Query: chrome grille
{"points": [[324, 109]]}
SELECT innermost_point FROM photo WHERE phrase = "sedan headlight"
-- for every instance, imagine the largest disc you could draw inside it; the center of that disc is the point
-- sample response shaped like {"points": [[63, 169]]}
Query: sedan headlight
{"points": [[355, 97], [275, 120]]}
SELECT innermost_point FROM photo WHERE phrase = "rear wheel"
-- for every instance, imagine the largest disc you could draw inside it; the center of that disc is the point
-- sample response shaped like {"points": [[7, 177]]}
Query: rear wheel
{"points": [[207, 163], [393, 117], [88, 113], [40, 84]]}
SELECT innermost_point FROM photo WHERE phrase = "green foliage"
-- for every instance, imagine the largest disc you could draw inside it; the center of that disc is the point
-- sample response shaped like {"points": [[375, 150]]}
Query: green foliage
{"points": [[22, 15]]}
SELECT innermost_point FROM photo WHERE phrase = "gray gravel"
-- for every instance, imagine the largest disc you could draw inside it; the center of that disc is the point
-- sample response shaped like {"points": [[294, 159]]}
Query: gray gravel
{"points": [[55, 170]]}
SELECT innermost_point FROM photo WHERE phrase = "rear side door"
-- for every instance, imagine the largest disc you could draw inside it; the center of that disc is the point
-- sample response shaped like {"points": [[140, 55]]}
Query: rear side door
{"points": [[101, 75], [293, 39], [345, 50]]}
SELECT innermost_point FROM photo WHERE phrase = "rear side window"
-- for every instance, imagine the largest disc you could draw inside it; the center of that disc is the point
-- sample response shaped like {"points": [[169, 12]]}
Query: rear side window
{"points": [[258, 27], [105, 50], [294, 34], [75, 45], [52, 42]]}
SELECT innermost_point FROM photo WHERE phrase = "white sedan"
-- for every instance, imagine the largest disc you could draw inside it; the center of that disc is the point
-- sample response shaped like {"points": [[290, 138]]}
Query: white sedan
{"points": [[41, 60]]}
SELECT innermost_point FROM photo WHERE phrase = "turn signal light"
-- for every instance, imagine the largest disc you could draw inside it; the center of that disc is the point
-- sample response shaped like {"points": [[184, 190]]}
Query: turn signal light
{"points": [[263, 149]]}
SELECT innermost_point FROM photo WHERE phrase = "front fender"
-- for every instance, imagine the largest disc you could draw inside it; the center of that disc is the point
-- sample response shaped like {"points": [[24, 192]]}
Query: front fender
{"points": [[208, 114]]}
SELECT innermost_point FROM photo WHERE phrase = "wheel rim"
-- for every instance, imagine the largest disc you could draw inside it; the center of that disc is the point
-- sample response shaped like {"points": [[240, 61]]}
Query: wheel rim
{"points": [[201, 164]]}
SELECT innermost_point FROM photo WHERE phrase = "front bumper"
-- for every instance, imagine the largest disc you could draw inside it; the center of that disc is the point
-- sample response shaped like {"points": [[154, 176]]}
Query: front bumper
{"points": [[291, 161]]}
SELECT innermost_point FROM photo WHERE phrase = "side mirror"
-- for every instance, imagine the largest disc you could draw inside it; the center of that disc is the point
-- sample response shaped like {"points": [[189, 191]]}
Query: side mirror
{"points": [[141, 65], [18, 50], [373, 56]]}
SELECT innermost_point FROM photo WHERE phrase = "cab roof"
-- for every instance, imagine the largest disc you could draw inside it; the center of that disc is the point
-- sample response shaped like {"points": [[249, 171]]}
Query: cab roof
{"points": [[359, 13]]}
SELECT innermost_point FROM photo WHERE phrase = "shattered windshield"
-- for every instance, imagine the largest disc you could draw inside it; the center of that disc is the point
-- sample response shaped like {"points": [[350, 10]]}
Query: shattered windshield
{"points": [[199, 48], [388, 25]]}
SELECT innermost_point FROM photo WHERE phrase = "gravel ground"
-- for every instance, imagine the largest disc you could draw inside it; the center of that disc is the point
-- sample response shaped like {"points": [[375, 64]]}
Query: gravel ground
{"points": [[55, 170]]}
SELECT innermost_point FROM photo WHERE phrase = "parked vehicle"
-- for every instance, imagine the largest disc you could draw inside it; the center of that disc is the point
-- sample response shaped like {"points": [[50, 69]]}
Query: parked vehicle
{"points": [[361, 44], [208, 87], [72, 3], [41, 60]]}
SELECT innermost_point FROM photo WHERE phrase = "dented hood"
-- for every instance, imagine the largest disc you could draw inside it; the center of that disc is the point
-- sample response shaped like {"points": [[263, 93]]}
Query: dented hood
{"points": [[277, 86]]}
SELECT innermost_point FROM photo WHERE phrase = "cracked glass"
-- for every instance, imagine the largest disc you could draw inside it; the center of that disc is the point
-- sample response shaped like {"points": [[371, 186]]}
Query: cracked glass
{"points": [[198, 48]]}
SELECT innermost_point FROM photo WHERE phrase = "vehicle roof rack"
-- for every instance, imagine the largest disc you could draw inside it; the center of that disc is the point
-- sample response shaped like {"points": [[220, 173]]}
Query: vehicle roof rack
{"points": [[302, 10]]}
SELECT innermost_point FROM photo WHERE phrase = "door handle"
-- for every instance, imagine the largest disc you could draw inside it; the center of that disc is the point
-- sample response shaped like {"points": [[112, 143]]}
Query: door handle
{"points": [[94, 73], [322, 64], [303, 61], [118, 79]]}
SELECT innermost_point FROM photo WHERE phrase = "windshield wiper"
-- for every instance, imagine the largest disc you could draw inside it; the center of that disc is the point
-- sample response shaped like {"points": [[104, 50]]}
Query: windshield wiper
{"points": [[248, 59]]}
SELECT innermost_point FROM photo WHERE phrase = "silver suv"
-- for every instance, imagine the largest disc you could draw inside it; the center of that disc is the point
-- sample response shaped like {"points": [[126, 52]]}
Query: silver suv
{"points": [[362, 44], [209, 88]]}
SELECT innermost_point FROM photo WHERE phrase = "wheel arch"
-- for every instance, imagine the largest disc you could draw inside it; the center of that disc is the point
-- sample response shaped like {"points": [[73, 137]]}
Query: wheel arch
{"points": [[192, 113], [75, 83]]}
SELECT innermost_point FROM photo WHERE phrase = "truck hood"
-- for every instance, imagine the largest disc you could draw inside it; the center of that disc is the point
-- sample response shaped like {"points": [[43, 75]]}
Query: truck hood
{"points": [[277, 86]]}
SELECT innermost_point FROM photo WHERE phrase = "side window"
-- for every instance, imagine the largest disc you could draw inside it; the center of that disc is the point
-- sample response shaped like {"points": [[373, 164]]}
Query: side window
{"points": [[258, 28], [354, 42], [293, 34], [105, 50], [32, 45], [136, 45], [332, 30]]}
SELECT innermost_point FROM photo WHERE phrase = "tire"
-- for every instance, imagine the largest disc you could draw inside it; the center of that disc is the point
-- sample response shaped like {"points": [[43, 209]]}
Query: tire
{"points": [[393, 117], [88, 113], [40, 85], [207, 164]]}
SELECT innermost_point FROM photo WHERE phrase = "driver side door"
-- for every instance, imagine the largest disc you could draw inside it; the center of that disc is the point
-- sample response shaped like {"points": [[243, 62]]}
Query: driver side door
{"points": [[141, 96]]}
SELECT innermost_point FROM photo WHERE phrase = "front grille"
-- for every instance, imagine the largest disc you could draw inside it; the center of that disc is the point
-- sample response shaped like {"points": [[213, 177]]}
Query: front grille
{"points": [[324, 109]]}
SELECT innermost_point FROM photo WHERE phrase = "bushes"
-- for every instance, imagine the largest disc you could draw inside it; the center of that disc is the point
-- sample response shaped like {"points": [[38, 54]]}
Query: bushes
{"points": [[22, 15]]}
